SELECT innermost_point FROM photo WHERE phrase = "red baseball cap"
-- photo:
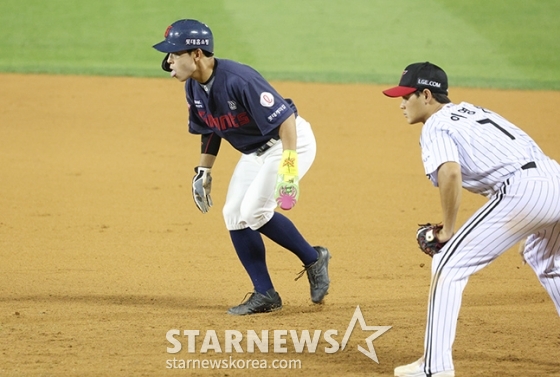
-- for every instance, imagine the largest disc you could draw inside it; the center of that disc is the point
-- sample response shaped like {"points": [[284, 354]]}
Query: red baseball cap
{"points": [[420, 76]]}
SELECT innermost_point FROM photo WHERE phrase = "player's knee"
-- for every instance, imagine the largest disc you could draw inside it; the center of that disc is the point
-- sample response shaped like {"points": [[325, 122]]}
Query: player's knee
{"points": [[255, 217], [230, 215], [247, 213], [226, 211]]}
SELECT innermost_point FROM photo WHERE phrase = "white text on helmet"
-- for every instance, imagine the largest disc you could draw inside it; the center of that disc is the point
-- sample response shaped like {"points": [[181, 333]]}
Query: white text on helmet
{"points": [[197, 42]]}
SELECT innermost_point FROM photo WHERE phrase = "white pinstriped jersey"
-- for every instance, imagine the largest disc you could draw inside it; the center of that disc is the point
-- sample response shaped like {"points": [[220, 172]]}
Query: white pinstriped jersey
{"points": [[500, 161], [488, 147]]}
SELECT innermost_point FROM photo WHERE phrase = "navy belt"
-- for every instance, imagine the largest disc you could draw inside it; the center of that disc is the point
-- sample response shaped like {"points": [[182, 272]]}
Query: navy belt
{"points": [[266, 146], [529, 165]]}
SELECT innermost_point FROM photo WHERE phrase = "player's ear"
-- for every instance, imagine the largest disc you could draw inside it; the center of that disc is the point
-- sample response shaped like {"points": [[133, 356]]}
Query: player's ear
{"points": [[426, 95], [199, 53]]}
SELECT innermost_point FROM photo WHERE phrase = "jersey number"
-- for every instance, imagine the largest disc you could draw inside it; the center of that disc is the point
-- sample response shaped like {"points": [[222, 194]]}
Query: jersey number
{"points": [[486, 121]]}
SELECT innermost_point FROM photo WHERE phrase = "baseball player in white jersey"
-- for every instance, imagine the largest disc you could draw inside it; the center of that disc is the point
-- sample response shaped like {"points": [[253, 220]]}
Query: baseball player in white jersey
{"points": [[468, 146], [231, 101]]}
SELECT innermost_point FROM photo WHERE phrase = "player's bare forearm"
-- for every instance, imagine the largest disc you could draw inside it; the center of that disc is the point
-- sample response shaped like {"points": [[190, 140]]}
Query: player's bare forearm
{"points": [[450, 186], [288, 134], [206, 160]]}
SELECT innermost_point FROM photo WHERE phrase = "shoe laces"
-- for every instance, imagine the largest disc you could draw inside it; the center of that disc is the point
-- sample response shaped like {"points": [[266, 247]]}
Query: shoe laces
{"points": [[305, 269], [246, 294]]}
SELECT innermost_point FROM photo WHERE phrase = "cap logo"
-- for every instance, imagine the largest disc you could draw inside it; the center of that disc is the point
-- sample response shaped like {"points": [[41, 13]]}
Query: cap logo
{"points": [[404, 72], [167, 31], [425, 82]]}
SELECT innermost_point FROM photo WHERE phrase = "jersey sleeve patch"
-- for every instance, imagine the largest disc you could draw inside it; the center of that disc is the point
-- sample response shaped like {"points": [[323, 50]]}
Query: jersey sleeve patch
{"points": [[267, 99]]}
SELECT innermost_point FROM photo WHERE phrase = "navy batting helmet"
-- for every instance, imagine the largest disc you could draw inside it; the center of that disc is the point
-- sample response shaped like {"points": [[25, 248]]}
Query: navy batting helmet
{"points": [[185, 35]]}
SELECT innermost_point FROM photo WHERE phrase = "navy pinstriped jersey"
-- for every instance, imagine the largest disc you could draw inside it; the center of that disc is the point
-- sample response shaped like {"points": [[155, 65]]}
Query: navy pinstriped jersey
{"points": [[240, 106], [488, 147]]}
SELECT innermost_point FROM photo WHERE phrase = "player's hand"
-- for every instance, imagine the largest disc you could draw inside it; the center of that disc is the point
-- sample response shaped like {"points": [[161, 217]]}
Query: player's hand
{"points": [[201, 187], [287, 183]]}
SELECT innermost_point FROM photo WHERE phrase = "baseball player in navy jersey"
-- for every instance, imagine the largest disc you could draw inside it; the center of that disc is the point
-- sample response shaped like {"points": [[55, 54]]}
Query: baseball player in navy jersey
{"points": [[231, 101], [470, 147]]}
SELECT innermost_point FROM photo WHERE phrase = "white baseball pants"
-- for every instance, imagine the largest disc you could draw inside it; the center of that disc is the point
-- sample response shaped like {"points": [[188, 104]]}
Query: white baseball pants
{"points": [[527, 205], [250, 197]]}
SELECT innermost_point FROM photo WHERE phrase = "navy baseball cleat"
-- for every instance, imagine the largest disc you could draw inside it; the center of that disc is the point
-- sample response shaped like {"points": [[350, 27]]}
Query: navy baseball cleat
{"points": [[258, 303], [318, 275]]}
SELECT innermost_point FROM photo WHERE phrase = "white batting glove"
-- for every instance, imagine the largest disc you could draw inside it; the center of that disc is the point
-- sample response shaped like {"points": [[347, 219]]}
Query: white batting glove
{"points": [[201, 187]]}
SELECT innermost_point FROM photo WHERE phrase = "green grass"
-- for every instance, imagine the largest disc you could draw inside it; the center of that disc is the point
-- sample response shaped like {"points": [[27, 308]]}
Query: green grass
{"points": [[500, 43]]}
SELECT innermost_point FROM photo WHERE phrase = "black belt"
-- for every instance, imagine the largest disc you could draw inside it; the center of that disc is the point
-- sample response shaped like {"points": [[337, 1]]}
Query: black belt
{"points": [[266, 146], [529, 165]]}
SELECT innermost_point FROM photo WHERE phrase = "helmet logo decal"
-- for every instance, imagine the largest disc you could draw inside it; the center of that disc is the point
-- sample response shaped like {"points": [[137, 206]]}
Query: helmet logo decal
{"points": [[267, 99], [167, 31], [197, 42]]}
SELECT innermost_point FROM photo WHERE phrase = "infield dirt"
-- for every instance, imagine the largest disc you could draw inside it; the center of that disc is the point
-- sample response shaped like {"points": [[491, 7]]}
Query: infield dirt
{"points": [[103, 251]]}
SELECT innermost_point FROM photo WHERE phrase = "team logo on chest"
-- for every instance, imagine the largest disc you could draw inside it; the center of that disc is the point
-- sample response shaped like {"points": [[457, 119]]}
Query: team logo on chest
{"points": [[232, 105], [267, 99]]}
